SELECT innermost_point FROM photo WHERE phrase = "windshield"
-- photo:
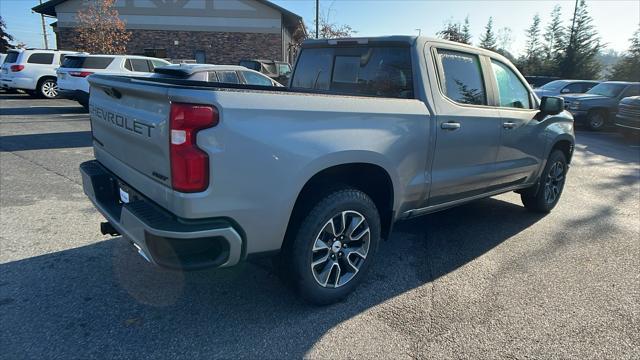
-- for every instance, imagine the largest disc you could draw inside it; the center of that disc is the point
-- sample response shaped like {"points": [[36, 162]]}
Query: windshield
{"points": [[554, 85], [12, 56], [607, 89]]}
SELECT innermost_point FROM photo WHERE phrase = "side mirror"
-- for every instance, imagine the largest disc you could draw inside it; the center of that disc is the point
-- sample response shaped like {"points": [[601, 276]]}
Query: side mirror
{"points": [[551, 105]]}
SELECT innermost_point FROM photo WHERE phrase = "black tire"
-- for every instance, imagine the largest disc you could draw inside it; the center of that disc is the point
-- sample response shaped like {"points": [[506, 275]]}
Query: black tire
{"points": [[299, 253], [596, 120], [537, 199], [47, 88]]}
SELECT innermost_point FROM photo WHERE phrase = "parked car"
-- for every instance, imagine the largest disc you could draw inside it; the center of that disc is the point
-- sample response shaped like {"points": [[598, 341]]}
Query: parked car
{"points": [[72, 75], [280, 71], [628, 117], [32, 70], [597, 107], [538, 81], [228, 74], [561, 87], [201, 175]]}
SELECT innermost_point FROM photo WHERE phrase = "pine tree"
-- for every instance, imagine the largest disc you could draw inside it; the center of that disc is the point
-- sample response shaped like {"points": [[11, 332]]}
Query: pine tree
{"points": [[466, 32], [554, 36], [488, 40], [531, 63], [451, 31], [100, 29], [628, 68], [579, 60], [4, 37]]}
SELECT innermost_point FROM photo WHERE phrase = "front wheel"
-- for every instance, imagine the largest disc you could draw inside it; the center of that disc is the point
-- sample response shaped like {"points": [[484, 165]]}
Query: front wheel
{"points": [[334, 246], [48, 89], [545, 195], [596, 120]]}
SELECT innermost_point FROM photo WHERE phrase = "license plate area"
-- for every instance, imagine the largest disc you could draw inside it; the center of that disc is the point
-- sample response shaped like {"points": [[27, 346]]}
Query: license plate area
{"points": [[126, 194]]}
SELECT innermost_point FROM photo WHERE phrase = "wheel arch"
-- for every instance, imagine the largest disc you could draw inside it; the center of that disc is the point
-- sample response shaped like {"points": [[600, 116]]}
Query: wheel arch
{"points": [[370, 178]]}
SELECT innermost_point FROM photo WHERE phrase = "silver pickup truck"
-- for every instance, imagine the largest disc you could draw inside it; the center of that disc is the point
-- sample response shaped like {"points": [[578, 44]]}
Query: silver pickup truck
{"points": [[369, 131]]}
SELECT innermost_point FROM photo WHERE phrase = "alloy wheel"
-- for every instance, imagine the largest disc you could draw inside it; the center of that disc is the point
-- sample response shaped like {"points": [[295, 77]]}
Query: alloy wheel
{"points": [[49, 89], [553, 182], [340, 249]]}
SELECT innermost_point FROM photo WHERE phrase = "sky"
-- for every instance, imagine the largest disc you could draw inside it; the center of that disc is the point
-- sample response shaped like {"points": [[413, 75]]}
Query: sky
{"points": [[615, 20]]}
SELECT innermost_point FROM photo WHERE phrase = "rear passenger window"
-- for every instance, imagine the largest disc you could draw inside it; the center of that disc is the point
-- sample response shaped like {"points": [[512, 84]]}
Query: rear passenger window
{"points": [[512, 92], [41, 58], [462, 77], [573, 88], [212, 76], [228, 77], [140, 65]]}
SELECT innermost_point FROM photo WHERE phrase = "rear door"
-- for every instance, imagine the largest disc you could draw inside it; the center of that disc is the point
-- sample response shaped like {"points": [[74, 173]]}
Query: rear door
{"points": [[467, 128], [522, 138]]}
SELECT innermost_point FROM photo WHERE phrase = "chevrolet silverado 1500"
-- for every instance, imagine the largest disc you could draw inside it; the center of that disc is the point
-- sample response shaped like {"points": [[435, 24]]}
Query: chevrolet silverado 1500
{"points": [[370, 131]]}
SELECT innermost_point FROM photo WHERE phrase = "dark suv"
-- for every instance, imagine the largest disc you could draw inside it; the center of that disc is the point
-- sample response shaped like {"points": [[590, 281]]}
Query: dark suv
{"points": [[597, 107]]}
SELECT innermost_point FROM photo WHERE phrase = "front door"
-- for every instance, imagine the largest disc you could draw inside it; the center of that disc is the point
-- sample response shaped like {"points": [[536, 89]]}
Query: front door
{"points": [[520, 152], [468, 130]]}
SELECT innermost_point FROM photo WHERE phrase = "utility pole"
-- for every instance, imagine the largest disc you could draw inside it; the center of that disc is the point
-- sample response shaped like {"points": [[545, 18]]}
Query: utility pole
{"points": [[317, 19], [44, 30]]}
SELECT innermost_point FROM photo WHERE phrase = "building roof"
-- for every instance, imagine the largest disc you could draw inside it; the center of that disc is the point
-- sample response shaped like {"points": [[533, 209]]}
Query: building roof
{"points": [[290, 19]]}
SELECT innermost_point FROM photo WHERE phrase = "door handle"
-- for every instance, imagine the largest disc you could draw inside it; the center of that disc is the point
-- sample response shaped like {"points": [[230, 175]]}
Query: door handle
{"points": [[509, 125], [450, 125]]}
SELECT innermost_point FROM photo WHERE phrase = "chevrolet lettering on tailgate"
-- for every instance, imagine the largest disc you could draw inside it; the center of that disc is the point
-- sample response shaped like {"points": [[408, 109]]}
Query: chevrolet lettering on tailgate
{"points": [[121, 121]]}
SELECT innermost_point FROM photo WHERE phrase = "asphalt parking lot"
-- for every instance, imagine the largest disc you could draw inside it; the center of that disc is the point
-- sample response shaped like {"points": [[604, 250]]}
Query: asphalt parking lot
{"points": [[485, 280]]}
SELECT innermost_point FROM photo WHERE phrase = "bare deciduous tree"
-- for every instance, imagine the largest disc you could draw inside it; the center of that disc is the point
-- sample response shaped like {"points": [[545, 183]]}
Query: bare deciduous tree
{"points": [[100, 29]]}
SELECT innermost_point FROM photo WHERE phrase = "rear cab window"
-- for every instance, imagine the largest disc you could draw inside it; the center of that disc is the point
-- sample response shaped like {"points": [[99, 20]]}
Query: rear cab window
{"points": [[40, 58], [87, 62], [380, 71]]}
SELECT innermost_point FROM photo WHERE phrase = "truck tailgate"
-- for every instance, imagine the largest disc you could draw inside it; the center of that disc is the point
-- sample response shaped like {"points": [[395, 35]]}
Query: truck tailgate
{"points": [[130, 121]]}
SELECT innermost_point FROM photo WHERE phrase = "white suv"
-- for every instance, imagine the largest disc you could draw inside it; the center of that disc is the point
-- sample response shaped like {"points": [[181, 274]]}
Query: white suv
{"points": [[32, 70], [72, 75]]}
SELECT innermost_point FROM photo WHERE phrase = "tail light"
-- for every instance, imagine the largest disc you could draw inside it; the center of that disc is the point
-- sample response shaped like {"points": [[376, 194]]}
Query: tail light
{"points": [[189, 164], [80, 73], [16, 68]]}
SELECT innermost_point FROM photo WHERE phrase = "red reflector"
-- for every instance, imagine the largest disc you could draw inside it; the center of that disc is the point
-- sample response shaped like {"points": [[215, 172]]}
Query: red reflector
{"points": [[80, 73], [189, 164], [16, 68]]}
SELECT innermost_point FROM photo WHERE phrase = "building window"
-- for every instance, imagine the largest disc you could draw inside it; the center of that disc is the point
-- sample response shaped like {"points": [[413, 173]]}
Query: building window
{"points": [[201, 57], [157, 53]]}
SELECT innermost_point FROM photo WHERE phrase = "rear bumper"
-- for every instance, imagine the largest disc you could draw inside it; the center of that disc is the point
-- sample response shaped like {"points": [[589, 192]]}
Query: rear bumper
{"points": [[161, 237], [18, 83], [77, 95]]}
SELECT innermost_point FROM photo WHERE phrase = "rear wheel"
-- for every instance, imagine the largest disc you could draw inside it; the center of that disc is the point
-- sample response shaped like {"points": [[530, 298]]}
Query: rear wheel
{"points": [[48, 89], [545, 195], [596, 120], [333, 247]]}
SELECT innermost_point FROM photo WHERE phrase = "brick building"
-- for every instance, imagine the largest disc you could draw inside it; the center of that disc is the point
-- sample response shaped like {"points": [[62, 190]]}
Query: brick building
{"points": [[209, 31]]}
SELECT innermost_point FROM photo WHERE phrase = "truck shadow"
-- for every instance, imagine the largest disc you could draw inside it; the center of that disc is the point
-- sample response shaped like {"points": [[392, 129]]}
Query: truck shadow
{"points": [[103, 300], [60, 140]]}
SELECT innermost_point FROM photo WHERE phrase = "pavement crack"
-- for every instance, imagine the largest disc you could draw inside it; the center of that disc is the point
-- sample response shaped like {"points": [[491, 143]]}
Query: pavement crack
{"points": [[41, 166]]}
